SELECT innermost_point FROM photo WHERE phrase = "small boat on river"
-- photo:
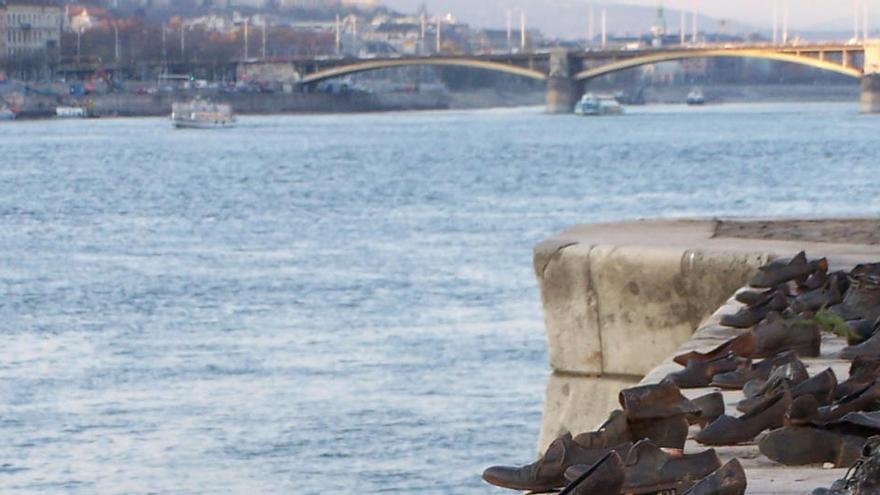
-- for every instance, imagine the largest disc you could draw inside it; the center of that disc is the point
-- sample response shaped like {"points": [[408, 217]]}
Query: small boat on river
{"points": [[696, 97], [202, 114], [591, 104], [6, 113]]}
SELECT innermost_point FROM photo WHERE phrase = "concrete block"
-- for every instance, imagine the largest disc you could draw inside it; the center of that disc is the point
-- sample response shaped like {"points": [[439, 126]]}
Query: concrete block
{"points": [[570, 311], [651, 299], [577, 404]]}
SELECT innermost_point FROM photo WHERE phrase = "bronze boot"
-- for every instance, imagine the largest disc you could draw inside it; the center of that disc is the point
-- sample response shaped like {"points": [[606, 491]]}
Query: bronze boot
{"points": [[698, 374], [728, 430], [548, 472], [730, 479], [777, 273], [660, 400], [614, 431], [775, 335], [650, 470], [711, 407], [670, 433], [736, 379], [605, 477]]}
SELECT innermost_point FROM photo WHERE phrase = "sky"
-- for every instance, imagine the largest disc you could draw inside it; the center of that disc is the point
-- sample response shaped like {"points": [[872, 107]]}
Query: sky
{"points": [[803, 14]]}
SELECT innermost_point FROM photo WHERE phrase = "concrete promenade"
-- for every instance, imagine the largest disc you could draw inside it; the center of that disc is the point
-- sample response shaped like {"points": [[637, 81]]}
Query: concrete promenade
{"points": [[621, 298]]}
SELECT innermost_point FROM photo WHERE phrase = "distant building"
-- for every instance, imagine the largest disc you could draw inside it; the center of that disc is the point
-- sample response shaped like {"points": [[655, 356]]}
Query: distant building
{"points": [[3, 51], [32, 27]]}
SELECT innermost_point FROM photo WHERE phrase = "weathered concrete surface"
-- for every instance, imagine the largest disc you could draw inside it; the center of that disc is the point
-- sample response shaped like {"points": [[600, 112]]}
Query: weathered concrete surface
{"points": [[620, 298]]}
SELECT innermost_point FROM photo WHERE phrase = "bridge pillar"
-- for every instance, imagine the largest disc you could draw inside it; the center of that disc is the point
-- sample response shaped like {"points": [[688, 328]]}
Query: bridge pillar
{"points": [[870, 99], [562, 90]]}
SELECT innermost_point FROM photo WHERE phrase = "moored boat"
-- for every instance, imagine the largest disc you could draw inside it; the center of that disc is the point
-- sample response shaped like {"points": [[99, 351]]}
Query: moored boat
{"points": [[591, 104], [696, 97], [69, 112], [6, 113], [202, 114]]}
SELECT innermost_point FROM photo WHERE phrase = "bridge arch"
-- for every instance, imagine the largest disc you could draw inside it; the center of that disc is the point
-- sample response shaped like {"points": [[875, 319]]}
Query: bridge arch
{"points": [[368, 65], [641, 60]]}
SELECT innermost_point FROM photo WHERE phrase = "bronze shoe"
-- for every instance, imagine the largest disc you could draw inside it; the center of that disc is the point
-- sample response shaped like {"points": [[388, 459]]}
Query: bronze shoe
{"points": [[816, 280], [548, 472], [711, 407], [862, 372], [861, 330], [727, 430], [777, 273], [803, 411], [790, 373], [858, 401], [750, 316], [737, 378], [741, 345], [670, 433], [822, 297], [760, 297], [650, 470], [660, 400], [614, 431], [605, 477], [800, 445], [699, 373], [868, 349], [730, 479], [821, 387], [775, 335], [862, 299]]}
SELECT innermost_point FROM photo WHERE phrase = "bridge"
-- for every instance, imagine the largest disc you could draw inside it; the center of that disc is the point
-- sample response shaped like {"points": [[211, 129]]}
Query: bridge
{"points": [[566, 72]]}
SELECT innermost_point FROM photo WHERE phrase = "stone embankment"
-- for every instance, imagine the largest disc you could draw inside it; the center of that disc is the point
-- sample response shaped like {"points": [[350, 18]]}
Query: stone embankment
{"points": [[620, 298], [145, 105]]}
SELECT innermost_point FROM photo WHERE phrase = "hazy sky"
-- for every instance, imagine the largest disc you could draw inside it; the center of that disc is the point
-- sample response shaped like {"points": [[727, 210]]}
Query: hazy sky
{"points": [[802, 13]]}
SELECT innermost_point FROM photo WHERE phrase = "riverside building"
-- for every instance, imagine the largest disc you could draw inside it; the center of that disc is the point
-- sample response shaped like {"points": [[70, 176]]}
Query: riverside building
{"points": [[30, 27]]}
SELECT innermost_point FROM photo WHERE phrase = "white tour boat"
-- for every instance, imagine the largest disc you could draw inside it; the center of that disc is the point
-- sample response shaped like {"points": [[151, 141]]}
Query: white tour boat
{"points": [[201, 114], [71, 112], [591, 104]]}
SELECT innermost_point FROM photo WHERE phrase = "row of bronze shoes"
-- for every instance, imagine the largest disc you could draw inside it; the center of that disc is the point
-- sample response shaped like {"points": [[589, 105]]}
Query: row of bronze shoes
{"points": [[638, 450], [812, 419]]}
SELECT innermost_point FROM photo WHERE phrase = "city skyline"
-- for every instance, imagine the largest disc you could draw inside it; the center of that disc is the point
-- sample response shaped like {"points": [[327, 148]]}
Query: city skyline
{"points": [[805, 15]]}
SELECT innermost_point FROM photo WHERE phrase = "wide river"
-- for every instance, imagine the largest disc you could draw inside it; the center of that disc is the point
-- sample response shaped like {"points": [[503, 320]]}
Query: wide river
{"points": [[338, 304]]}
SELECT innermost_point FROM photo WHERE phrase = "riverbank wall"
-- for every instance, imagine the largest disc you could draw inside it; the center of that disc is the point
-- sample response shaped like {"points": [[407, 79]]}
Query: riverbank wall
{"points": [[620, 298], [144, 105]]}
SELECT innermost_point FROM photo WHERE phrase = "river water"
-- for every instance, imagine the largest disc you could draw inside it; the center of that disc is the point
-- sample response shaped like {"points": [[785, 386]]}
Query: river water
{"points": [[337, 304]]}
